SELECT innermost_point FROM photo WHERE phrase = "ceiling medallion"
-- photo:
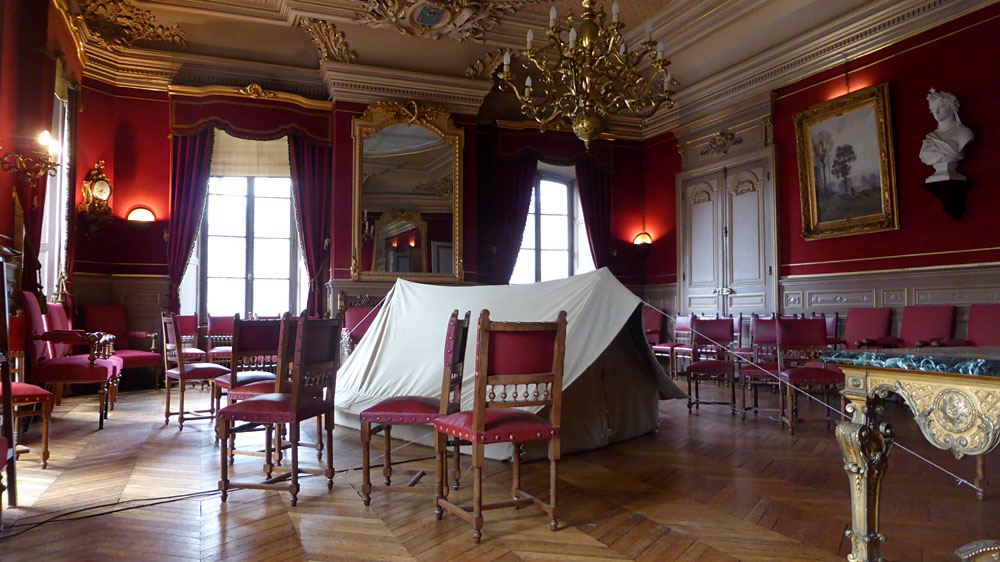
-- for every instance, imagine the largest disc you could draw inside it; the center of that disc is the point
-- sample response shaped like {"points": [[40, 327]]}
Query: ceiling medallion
{"points": [[594, 73], [487, 65], [256, 91], [458, 19], [119, 24], [330, 43]]}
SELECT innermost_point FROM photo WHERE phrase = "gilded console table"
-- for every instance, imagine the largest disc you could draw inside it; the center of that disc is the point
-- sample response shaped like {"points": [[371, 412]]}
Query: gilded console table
{"points": [[954, 394]]}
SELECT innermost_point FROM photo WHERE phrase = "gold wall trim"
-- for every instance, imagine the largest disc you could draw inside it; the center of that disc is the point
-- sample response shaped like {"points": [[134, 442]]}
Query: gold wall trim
{"points": [[119, 96], [231, 91], [894, 270], [119, 263], [922, 254], [881, 60], [559, 128], [89, 274]]}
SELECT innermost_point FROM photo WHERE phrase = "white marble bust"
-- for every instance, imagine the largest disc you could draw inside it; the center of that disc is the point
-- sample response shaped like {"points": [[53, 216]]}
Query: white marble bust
{"points": [[944, 147]]}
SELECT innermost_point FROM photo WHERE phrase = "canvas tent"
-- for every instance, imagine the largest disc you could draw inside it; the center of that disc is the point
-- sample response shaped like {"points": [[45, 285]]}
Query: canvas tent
{"points": [[612, 382]]}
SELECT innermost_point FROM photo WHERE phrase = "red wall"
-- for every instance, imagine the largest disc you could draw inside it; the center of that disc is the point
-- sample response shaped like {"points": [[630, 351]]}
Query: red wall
{"points": [[661, 163], [130, 131], [960, 57]]}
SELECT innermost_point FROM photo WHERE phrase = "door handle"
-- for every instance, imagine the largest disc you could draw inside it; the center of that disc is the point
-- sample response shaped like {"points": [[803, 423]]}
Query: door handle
{"points": [[716, 291], [726, 291]]}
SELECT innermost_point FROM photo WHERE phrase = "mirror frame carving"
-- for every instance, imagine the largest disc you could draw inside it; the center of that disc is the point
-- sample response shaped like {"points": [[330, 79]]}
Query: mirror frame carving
{"points": [[375, 118]]}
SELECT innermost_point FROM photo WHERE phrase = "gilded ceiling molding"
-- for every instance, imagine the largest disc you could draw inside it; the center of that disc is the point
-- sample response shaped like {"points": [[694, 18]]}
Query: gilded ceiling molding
{"points": [[411, 112], [117, 24], [487, 65], [720, 143], [441, 187], [329, 42], [256, 91], [457, 19]]}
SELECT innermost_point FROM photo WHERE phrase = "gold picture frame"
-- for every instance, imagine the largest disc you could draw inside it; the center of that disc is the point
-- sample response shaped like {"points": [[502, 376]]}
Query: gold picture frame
{"points": [[847, 176]]}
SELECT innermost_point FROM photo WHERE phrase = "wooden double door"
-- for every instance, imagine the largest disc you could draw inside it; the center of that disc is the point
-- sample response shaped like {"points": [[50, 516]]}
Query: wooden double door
{"points": [[727, 237]]}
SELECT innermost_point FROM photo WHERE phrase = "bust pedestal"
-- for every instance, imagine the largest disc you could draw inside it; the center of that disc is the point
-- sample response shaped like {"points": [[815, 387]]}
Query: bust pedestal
{"points": [[952, 195]]}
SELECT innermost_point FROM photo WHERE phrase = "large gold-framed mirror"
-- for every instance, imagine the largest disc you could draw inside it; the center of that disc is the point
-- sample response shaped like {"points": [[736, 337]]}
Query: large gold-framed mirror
{"points": [[407, 193]]}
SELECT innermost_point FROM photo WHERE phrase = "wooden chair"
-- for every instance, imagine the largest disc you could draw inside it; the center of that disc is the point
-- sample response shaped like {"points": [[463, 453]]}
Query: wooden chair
{"points": [[315, 362], [56, 320], [652, 325], [763, 368], [94, 367], [682, 341], [866, 324], [220, 339], [188, 326], [518, 364], [253, 359], [112, 319], [799, 342], [416, 410], [714, 337], [983, 330], [26, 396], [357, 320], [8, 456], [184, 372]]}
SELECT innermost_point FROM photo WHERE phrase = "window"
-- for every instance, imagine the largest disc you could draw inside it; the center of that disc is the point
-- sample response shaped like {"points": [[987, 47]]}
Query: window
{"points": [[249, 248], [555, 243], [52, 246]]}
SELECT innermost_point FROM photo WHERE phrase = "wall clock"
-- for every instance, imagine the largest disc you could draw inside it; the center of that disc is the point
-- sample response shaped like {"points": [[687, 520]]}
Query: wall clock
{"points": [[95, 211]]}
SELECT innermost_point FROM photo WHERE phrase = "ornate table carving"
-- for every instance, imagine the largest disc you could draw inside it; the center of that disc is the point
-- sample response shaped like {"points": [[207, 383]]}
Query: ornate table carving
{"points": [[954, 394]]}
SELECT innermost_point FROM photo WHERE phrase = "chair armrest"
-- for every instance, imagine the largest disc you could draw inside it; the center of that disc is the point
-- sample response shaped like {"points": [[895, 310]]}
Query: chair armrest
{"points": [[950, 342], [884, 341], [141, 334], [101, 345]]}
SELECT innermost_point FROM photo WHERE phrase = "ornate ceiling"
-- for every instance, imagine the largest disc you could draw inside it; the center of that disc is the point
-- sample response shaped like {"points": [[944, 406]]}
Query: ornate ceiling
{"points": [[444, 51]]}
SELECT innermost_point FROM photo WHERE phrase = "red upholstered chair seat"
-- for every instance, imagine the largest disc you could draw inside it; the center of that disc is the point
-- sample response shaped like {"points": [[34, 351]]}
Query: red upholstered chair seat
{"points": [[812, 375], [405, 410], [665, 347], [710, 366], [24, 393], [221, 350], [743, 352], [75, 368], [248, 391], [245, 378], [821, 365], [274, 407], [193, 352], [137, 358], [761, 370], [198, 371], [502, 424]]}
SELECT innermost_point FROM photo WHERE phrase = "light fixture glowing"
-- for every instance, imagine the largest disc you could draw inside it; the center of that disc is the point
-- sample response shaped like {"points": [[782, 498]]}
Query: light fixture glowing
{"points": [[141, 214], [642, 238]]}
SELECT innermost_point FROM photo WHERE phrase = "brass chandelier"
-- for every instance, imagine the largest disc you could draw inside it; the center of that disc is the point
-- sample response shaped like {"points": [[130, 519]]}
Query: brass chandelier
{"points": [[594, 73]]}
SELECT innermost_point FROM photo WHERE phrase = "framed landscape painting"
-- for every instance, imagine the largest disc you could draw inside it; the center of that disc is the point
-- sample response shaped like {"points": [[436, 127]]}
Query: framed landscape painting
{"points": [[846, 174]]}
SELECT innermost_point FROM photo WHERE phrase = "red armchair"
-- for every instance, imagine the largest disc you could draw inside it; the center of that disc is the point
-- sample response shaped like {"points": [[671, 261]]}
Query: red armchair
{"points": [[921, 326], [111, 319], [93, 367], [866, 324], [984, 329]]}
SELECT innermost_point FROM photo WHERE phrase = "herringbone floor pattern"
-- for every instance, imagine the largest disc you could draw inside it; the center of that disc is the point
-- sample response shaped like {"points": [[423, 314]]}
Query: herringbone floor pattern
{"points": [[704, 487]]}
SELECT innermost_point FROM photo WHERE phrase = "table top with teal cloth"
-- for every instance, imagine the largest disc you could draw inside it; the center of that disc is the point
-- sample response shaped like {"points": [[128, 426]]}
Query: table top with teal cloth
{"points": [[982, 361]]}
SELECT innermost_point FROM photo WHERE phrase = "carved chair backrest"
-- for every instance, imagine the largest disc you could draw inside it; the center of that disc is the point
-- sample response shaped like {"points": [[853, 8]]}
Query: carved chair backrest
{"points": [[714, 335], [456, 338], [316, 359], [831, 322], [682, 328], [652, 324], [37, 350], [737, 320], [56, 319], [256, 346], [172, 339], [187, 326], [220, 330], [519, 364], [800, 340]]}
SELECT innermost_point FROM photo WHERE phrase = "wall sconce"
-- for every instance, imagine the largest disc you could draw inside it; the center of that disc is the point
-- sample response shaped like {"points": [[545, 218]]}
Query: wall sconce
{"points": [[140, 214], [413, 243], [367, 228], [643, 241], [31, 169]]}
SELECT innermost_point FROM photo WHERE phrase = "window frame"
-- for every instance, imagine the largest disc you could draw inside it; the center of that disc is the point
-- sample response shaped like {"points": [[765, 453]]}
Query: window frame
{"points": [[294, 241], [571, 218]]}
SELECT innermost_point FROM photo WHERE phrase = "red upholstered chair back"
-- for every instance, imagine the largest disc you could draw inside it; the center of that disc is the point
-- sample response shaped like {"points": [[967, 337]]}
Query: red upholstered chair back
{"points": [[257, 345], [220, 325], [984, 325], [35, 326], [56, 319], [15, 335], [110, 319], [926, 323], [866, 323], [737, 327], [456, 338], [652, 324], [357, 320], [763, 331], [711, 331], [831, 323], [519, 364], [316, 359], [172, 340], [801, 333], [682, 323]]}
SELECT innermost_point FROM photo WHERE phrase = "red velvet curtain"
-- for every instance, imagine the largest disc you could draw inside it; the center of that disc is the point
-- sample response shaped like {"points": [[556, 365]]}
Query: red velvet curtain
{"points": [[312, 181], [594, 185], [511, 184], [190, 163]]}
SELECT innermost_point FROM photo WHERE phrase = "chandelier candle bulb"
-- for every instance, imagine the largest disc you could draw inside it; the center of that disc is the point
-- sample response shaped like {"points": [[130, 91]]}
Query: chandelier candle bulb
{"points": [[649, 32], [614, 11], [506, 62], [45, 138], [621, 48], [531, 37], [572, 37], [552, 16]]}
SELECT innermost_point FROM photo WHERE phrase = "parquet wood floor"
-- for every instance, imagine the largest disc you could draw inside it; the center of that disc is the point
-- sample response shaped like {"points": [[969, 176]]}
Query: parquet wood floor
{"points": [[705, 487]]}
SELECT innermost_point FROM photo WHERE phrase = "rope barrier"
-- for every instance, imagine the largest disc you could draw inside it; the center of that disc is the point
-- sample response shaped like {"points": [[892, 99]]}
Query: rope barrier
{"points": [[958, 479]]}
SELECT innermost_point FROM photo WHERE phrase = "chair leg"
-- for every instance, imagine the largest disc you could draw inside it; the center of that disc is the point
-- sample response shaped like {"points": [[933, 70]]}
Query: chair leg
{"points": [[293, 436], [11, 480], [222, 426], [46, 416], [440, 464], [328, 421], [689, 394], [792, 408], [697, 396], [387, 455], [180, 412], [732, 395], [516, 479], [366, 476], [57, 390], [477, 492], [458, 467], [554, 482], [102, 405], [166, 410], [268, 450]]}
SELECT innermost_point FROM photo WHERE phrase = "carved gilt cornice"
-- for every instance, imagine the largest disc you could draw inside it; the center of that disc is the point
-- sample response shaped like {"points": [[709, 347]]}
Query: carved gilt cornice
{"points": [[462, 20], [720, 142], [369, 84], [118, 24], [330, 43], [411, 112], [486, 66], [256, 91]]}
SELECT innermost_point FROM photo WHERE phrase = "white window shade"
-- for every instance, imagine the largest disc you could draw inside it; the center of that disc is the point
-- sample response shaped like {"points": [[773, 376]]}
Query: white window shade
{"points": [[234, 156]]}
